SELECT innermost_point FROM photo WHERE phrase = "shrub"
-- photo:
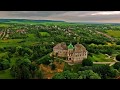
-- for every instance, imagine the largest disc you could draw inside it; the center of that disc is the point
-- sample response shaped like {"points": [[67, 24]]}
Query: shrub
{"points": [[117, 65], [118, 57], [87, 62]]}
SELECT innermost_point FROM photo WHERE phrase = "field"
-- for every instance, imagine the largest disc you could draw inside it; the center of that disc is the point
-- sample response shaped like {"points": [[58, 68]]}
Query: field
{"points": [[4, 25], [10, 42], [101, 58], [17, 42], [44, 33], [113, 33]]}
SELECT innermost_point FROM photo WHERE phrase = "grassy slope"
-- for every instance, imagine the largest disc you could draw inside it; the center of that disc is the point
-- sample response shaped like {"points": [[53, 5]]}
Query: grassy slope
{"points": [[101, 58]]}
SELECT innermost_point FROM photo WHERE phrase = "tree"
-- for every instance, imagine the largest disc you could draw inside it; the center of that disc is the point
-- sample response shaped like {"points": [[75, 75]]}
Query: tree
{"points": [[4, 64], [70, 75], [53, 66], [88, 74], [118, 57], [87, 62], [117, 65], [58, 76], [39, 74], [21, 69], [44, 60], [102, 70]]}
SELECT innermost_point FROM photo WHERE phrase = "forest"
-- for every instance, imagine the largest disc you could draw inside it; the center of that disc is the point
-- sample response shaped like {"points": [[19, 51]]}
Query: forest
{"points": [[25, 50]]}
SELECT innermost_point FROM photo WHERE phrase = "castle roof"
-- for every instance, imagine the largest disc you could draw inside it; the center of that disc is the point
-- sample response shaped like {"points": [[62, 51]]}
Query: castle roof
{"points": [[70, 46], [61, 46], [79, 47]]}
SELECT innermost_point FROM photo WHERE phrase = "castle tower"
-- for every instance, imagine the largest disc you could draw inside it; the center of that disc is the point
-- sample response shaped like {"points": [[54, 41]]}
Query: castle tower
{"points": [[70, 51]]}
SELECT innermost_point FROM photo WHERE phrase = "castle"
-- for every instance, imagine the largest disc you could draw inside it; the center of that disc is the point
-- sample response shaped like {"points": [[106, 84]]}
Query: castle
{"points": [[74, 53]]}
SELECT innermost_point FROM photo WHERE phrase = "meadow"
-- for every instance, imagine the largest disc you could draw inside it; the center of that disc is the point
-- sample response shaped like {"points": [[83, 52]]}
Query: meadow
{"points": [[113, 33]]}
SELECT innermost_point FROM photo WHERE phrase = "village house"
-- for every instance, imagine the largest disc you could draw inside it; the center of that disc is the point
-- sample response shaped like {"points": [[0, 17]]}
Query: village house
{"points": [[74, 53]]}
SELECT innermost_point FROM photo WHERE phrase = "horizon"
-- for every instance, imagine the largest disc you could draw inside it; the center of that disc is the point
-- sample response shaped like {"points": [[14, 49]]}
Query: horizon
{"points": [[67, 16], [92, 22]]}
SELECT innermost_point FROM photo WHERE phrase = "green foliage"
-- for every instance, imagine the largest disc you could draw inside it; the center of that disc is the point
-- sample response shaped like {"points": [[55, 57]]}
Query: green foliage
{"points": [[103, 70], [58, 76], [87, 62], [88, 74], [4, 64], [45, 60], [118, 57], [24, 69], [53, 66], [117, 65]]}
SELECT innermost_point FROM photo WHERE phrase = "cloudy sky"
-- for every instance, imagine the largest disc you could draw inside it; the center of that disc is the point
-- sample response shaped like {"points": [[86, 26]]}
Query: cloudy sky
{"points": [[71, 16]]}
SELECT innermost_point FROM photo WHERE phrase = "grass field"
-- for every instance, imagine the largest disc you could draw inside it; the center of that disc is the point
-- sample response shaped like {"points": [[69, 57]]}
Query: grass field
{"points": [[113, 33], [44, 33], [16, 42], [10, 42], [5, 74], [101, 58], [4, 25], [31, 36]]}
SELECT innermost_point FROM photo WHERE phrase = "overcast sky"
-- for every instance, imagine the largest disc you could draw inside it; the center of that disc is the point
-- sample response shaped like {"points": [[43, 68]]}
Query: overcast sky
{"points": [[71, 16]]}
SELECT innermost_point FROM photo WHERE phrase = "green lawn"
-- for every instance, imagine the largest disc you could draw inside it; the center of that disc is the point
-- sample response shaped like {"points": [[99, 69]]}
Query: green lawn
{"points": [[44, 34], [31, 36], [101, 58], [16, 42], [112, 33], [4, 25], [10, 42], [5, 74]]}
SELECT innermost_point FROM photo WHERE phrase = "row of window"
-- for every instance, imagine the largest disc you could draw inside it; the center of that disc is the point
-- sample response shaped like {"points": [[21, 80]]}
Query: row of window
{"points": [[78, 55]]}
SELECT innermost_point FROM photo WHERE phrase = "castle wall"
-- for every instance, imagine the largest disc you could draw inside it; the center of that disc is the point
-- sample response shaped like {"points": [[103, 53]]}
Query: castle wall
{"points": [[60, 53]]}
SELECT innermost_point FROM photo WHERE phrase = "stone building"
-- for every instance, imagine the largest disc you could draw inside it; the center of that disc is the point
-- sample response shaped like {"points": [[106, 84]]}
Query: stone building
{"points": [[74, 53]]}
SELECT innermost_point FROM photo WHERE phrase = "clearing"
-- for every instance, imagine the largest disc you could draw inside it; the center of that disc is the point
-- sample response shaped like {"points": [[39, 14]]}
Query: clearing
{"points": [[101, 58], [113, 33]]}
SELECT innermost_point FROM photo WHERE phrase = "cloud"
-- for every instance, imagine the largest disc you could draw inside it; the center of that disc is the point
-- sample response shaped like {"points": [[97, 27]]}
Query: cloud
{"points": [[107, 13], [71, 16]]}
